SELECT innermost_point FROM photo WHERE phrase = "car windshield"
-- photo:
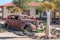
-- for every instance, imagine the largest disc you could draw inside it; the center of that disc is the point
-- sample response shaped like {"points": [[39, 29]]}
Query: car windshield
{"points": [[13, 17]]}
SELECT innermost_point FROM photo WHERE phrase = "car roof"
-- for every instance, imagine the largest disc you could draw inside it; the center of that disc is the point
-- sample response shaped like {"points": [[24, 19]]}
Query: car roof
{"points": [[13, 15], [23, 15]]}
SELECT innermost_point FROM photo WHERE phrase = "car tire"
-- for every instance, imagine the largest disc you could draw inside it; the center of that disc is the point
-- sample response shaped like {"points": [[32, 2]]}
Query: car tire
{"points": [[27, 28]]}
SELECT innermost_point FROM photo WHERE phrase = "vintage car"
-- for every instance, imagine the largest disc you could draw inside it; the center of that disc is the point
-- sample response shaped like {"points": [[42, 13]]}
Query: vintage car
{"points": [[20, 22]]}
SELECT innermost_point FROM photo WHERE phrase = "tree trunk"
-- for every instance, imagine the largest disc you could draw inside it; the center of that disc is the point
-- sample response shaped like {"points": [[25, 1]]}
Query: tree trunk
{"points": [[48, 24]]}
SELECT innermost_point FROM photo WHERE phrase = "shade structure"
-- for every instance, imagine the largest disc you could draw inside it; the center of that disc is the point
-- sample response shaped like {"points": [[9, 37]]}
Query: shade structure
{"points": [[9, 4], [3, 7], [34, 4]]}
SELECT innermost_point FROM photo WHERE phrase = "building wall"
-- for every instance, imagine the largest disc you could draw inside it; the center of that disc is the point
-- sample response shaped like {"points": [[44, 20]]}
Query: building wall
{"points": [[32, 12]]}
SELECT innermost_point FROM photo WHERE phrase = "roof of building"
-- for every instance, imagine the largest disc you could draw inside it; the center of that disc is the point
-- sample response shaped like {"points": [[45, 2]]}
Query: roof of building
{"points": [[33, 4], [9, 4]]}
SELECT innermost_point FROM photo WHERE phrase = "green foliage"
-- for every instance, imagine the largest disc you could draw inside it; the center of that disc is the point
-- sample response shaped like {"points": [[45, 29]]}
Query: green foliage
{"points": [[57, 2], [23, 3], [9, 7], [37, 0], [16, 9], [38, 31], [38, 8]]}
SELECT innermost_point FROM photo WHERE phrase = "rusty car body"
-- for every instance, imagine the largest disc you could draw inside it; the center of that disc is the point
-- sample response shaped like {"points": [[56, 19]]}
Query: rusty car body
{"points": [[20, 22]]}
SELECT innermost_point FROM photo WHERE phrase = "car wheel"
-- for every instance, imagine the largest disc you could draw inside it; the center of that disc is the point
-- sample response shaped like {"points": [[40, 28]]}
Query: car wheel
{"points": [[27, 28]]}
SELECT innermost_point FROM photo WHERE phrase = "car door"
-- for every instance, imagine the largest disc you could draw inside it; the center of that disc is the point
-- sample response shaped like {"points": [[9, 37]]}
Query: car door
{"points": [[17, 21]]}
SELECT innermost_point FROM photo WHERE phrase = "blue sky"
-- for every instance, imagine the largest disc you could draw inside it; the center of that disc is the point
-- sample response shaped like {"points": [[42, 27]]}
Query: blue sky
{"points": [[4, 1]]}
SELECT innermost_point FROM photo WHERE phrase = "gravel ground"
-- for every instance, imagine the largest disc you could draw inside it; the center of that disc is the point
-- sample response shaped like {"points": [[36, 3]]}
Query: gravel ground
{"points": [[12, 36]]}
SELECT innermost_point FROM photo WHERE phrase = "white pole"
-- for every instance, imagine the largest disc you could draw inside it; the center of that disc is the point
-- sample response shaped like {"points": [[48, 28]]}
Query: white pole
{"points": [[48, 21]]}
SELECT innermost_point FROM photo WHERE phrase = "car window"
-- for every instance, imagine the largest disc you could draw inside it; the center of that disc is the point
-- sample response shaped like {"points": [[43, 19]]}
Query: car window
{"points": [[11, 17], [16, 17]]}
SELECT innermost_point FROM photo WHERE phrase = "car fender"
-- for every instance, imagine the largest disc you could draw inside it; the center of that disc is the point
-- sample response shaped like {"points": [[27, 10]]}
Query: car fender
{"points": [[32, 26]]}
